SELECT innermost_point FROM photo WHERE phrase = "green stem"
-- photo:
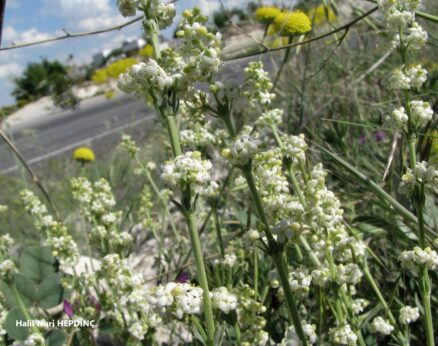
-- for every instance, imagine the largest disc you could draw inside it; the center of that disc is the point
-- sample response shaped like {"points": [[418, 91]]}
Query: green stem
{"points": [[229, 125], [173, 134], [256, 273], [275, 253], [22, 307], [202, 276], [280, 263], [218, 232], [426, 289]]}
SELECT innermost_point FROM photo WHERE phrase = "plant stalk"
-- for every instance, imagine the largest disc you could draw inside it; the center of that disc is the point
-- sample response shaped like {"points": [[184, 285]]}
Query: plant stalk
{"points": [[202, 277]]}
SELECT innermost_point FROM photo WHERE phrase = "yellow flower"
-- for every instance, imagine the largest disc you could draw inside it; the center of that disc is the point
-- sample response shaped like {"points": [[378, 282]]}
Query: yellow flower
{"points": [[147, 51], [83, 155], [267, 14], [292, 23], [318, 14]]}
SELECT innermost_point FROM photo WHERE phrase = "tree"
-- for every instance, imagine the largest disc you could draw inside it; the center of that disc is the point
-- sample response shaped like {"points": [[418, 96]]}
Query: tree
{"points": [[42, 79]]}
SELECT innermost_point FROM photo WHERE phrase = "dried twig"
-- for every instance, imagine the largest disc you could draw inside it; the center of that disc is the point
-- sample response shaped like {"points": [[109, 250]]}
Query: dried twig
{"points": [[73, 35], [344, 27], [32, 174]]}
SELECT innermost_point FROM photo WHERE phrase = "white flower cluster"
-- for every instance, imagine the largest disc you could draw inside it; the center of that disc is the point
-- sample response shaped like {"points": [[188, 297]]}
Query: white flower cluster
{"points": [[223, 300], [62, 244], [286, 229], [6, 268], [398, 13], [294, 148], [400, 21], [36, 209], [349, 273], [188, 168], [200, 48], [271, 117], [35, 339], [147, 77], [197, 135], [419, 257], [300, 280], [229, 260], [250, 313], [414, 39], [257, 86], [423, 173], [321, 276], [162, 13], [291, 337], [127, 7], [185, 299], [343, 335], [128, 291], [382, 326], [274, 187], [358, 305], [96, 204], [5, 244], [242, 150], [129, 145], [408, 314], [421, 113], [181, 298], [407, 77]]}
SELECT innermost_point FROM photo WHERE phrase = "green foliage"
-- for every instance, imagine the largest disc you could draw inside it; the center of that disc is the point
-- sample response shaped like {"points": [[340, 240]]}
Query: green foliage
{"points": [[42, 79], [38, 284], [221, 18]]}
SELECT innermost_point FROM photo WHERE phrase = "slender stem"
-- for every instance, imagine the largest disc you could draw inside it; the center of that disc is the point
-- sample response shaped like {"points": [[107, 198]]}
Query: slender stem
{"points": [[247, 173], [173, 134], [218, 232], [202, 276], [256, 273], [280, 263], [276, 254], [426, 289], [32, 174], [23, 308], [283, 63]]}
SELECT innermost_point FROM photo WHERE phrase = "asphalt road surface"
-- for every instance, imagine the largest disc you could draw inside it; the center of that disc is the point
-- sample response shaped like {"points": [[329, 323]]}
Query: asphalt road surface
{"points": [[57, 135], [60, 133]]}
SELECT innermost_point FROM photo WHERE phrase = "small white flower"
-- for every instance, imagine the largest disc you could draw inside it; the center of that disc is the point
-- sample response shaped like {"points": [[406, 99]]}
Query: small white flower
{"points": [[224, 300], [408, 314], [343, 335], [382, 326]]}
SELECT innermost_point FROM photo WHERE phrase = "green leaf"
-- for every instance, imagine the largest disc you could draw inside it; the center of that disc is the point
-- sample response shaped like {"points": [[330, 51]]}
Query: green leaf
{"points": [[37, 263], [26, 288], [16, 332], [56, 338], [108, 325], [50, 292]]}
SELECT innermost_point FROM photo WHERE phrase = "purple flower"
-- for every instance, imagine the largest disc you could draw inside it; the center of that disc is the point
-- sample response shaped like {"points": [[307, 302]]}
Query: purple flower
{"points": [[95, 303], [68, 309], [183, 277], [379, 136]]}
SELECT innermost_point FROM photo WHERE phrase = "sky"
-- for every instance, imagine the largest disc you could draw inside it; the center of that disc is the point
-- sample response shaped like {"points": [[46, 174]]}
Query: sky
{"points": [[30, 20]]}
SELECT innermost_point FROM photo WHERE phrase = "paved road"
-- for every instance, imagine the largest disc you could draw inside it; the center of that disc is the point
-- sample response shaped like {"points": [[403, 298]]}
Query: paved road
{"points": [[58, 134]]}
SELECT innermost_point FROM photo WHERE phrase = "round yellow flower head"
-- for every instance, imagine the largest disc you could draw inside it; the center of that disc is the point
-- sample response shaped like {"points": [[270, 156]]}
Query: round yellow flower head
{"points": [[319, 15], [292, 23], [83, 155], [267, 14]]}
